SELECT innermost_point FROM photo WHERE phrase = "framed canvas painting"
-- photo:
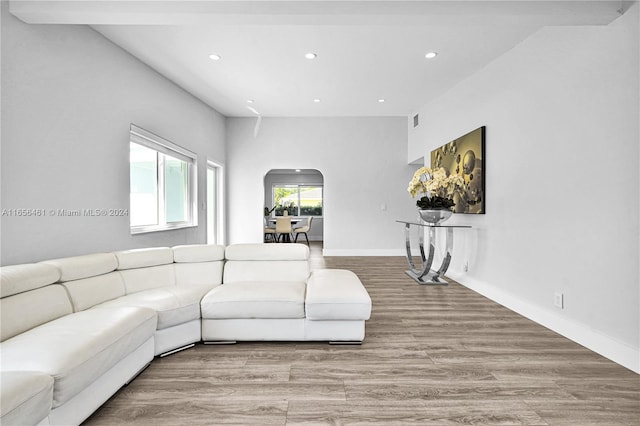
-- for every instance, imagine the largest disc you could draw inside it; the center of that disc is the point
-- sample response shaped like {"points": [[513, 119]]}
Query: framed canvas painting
{"points": [[465, 156]]}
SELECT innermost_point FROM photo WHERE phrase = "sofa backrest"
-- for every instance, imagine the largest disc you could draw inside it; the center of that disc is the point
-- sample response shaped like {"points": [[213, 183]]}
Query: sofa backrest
{"points": [[33, 294], [29, 298], [89, 279], [147, 268], [198, 264], [266, 262]]}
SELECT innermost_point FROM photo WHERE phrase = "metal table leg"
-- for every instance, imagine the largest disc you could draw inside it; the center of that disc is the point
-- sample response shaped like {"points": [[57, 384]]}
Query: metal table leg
{"points": [[426, 275]]}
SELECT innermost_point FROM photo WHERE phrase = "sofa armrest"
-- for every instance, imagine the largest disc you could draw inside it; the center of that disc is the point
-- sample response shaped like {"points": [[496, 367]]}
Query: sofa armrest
{"points": [[336, 294]]}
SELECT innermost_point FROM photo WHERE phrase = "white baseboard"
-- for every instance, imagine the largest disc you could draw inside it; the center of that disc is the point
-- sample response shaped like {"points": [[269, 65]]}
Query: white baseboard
{"points": [[363, 252], [610, 348]]}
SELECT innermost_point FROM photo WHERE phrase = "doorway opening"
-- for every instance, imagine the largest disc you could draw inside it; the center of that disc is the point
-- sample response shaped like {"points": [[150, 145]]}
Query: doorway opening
{"points": [[298, 193]]}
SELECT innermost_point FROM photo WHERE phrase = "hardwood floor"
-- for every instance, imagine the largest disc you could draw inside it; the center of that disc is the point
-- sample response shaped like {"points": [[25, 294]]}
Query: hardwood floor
{"points": [[431, 356]]}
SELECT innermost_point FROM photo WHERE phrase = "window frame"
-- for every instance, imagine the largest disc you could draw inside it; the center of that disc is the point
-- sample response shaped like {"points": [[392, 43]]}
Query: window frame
{"points": [[299, 207], [164, 148], [215, 231]]}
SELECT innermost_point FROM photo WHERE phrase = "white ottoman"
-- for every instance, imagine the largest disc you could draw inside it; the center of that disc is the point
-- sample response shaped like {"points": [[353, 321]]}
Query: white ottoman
{"points": [[336, 306], [336, 294]]}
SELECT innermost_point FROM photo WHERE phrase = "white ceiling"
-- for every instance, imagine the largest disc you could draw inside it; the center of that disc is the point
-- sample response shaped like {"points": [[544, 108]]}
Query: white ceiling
{"points": [[367, 50]]}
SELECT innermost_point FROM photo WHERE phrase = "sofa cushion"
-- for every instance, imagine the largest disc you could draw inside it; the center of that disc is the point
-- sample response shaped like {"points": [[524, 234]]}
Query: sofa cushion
{"points": [[199, 264], [267, 252], [198, 253], [174, 305], [197, 274], [141, 279], [264, 271], [141, 258], [255, 300], [88, 292], [16, 279], [78, 348], [24, 311], [266, 262], [89, 279], [78, 267], [336, 294], [25, 397]]}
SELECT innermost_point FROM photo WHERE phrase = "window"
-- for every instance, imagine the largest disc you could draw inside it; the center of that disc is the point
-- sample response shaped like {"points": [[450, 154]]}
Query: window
{"points": [[162, 183], [298, 200]]}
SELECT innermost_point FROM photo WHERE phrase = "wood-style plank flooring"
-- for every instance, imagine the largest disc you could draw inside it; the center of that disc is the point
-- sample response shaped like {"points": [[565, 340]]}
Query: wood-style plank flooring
{"points": [[431, 356]]}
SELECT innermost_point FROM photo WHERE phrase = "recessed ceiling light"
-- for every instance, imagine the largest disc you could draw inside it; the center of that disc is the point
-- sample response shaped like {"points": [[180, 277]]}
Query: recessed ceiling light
{"points": [[381, 100], [298, 170], [316, 100], [431, 55], [310, 55], [215, 57], [250, 101]]}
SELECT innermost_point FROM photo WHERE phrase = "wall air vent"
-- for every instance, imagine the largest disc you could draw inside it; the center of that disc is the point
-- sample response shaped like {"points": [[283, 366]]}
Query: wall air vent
{"points": [[415, 120]]}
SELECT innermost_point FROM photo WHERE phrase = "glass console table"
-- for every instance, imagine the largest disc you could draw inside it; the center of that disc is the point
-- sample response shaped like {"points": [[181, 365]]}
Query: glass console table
{"points": [[425, 275]]}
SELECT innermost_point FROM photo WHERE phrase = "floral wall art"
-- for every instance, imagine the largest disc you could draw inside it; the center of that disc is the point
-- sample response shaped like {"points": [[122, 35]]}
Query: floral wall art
{"points": [[464, 157]]}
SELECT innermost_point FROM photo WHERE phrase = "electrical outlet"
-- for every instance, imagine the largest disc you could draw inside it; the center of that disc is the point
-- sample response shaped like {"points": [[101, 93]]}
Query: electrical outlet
{"points": [[558, 300]]}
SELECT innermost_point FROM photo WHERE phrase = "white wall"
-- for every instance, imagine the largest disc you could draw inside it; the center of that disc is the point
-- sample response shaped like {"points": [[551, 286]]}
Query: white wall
{"points": [[272, 178], [363, 161], [562, 202], [68, 98]]}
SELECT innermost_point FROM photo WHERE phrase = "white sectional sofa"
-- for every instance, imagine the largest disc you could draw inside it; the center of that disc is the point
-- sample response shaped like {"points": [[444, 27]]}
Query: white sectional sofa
{"points": [[270, 295], [75, 330]]}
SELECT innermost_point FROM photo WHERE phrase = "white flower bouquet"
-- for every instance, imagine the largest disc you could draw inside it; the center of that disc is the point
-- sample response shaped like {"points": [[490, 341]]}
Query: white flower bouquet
{"points": [[437, 187]]}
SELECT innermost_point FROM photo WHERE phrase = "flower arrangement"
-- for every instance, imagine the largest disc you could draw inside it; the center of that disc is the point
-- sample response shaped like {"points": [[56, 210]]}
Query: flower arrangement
{"points": [[437, 187]]}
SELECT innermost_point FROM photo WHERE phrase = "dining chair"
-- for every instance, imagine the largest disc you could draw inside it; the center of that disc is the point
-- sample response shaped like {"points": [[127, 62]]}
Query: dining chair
{"points": [[303, 230], [283, 228], [269, 231]]}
